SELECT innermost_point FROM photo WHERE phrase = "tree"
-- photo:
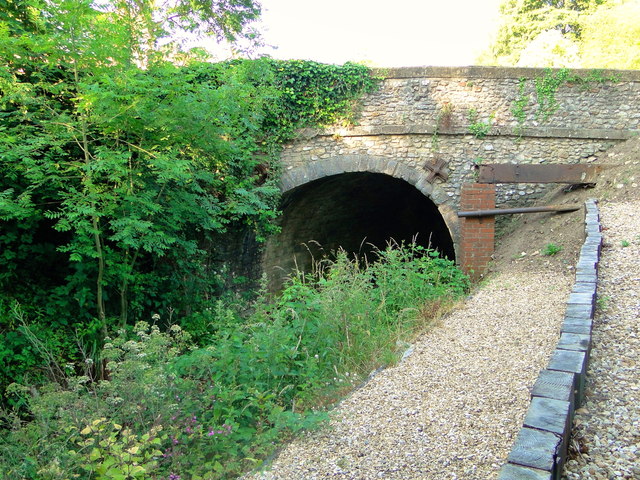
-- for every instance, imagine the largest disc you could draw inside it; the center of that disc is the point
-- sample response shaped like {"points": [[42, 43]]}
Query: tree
{"points": [[611, 36], [524, 21], [135, 164]]}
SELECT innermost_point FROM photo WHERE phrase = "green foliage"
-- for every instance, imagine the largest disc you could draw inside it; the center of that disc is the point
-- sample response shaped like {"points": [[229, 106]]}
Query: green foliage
{"points": [[478, 128], [602, 303], [167, 408], [518, 109], [121, 173], [546, 88], [587, 34], [115, 452], [315, 94], [551, 249], [548, 85], [524, 20], [610, 36]]}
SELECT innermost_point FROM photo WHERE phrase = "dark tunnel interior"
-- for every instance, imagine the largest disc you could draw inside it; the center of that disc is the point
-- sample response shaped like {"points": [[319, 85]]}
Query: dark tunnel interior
{"points": [[358, 212]]}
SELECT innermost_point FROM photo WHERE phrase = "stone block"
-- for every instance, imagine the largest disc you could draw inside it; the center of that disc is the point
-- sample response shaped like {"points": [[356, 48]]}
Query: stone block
{"points": [[592, 229], [375, 164], [592, 218], [424, 186], [518, 472], [580, 298], [586, 277], [579, 310], [571, 361], [577, 325], [591, 245], [537, 449], [555, 384], [587, 263], [575, 341], [595, 239], [390, 168], [549, 414], [333, 166], [583, 270], [591, 203], [584, 287], [588, 256], [568, 361]]}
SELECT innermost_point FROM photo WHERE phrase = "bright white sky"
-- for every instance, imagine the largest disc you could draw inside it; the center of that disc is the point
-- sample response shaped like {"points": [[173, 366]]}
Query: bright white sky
{"points": [[386, 33]]}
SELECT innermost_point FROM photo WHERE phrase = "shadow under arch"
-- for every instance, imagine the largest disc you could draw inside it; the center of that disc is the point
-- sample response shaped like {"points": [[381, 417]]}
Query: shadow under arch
{"points": [[357, 203]]}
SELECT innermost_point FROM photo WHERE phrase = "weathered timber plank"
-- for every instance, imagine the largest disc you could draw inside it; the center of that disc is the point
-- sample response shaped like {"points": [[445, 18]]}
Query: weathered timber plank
{"points": [[547, 173]]}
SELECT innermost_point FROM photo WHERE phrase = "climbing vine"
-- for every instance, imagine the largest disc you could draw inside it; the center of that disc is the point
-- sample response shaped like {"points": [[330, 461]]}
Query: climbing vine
{"points": [[520, 103], [546, 88], [315, 94]]}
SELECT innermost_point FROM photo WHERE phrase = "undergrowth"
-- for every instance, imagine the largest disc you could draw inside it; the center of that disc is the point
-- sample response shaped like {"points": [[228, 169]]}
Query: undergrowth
{"points": [[167, 408]]}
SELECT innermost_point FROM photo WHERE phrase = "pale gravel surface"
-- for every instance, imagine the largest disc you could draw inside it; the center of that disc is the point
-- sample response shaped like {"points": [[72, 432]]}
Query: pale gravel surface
{"points": [[452, 409], [607, 429]]}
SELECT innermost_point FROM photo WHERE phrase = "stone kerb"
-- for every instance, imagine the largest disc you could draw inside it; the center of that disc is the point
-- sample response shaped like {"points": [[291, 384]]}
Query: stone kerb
{"points": [[540, 449]]}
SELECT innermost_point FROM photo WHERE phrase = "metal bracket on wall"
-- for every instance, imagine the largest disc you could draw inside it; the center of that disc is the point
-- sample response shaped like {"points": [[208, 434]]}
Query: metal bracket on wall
{"points": [[436, 168]]}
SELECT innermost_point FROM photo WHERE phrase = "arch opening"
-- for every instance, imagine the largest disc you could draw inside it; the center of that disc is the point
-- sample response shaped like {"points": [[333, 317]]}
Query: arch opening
{"points": [[358, 212]]}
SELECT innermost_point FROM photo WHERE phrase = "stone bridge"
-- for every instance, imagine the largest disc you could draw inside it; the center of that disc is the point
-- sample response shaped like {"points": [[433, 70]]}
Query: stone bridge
{"points": [[398, 174]]}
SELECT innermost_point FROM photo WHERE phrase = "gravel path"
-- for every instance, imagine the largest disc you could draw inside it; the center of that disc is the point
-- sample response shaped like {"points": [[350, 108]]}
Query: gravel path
{"points": [[607, 428], [452, 409]]}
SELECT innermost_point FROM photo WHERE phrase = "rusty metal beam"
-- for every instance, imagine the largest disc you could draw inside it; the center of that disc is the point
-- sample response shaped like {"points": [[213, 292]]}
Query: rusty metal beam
{"points": [[506, 211], [546, 173]]}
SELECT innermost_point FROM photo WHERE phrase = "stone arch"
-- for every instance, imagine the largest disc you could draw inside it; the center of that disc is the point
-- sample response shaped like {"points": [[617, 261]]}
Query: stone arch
{"points": [[349, 194], [315, 170]]}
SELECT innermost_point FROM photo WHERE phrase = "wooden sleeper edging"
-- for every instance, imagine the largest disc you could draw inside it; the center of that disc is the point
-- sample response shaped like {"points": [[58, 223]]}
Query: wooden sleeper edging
{"points": [[540, 449]]}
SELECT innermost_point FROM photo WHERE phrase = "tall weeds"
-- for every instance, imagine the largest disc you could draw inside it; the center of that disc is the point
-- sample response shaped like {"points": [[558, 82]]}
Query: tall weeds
{"points": [[170, 409]]}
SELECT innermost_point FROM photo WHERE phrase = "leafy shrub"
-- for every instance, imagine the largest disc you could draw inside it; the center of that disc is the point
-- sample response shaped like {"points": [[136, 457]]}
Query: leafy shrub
{"points": [[179, 158], [478, 128], [551, 249], [167, 409]]}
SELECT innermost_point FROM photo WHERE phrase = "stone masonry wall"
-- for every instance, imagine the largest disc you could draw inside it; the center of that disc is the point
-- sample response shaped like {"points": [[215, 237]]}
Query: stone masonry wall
{"points": [[420, 115]]}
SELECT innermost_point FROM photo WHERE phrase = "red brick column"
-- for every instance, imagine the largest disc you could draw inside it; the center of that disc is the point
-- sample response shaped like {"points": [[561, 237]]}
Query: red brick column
{"points": [[477, 234]]}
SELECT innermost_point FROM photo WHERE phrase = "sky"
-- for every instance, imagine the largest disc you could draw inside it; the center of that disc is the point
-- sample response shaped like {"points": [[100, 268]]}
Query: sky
{"points": [[383, 33]]}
